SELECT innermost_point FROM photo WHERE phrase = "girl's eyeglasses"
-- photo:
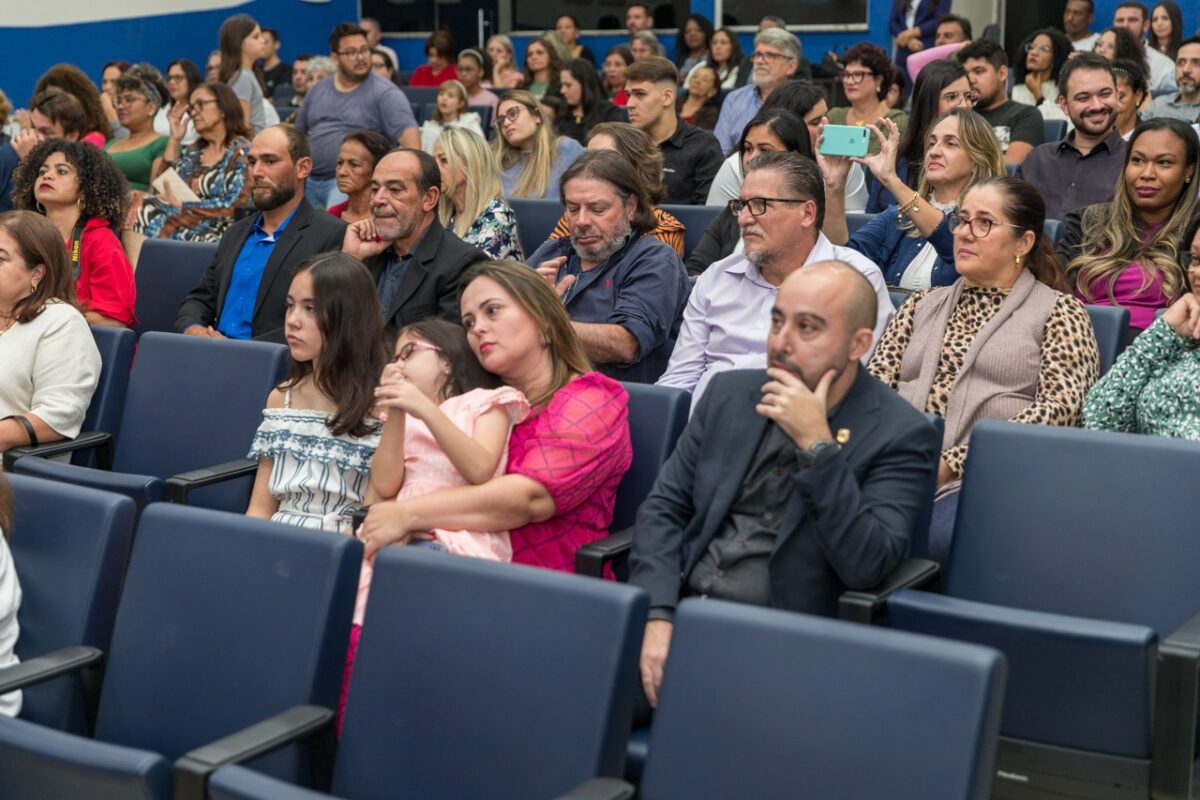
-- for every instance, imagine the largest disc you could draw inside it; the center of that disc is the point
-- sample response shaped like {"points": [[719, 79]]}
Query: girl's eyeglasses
{"points": [[407, 350]]}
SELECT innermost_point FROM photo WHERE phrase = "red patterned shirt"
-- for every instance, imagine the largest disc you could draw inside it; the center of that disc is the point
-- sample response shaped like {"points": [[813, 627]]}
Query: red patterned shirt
{"points": [[577, 447]]}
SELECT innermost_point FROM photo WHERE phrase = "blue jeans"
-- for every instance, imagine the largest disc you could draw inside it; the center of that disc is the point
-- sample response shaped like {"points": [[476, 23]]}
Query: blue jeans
{"points": [[941, 528], [323, 192]]}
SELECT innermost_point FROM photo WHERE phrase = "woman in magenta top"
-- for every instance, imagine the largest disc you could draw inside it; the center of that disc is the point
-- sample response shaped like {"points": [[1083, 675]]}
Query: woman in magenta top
{"points": [[440, 65], [565, 460], [1126, 252]]}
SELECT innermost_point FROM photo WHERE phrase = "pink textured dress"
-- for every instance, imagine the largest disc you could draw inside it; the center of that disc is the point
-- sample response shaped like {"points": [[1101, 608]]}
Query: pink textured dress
{"points": [[577, 446], [427, 469]]}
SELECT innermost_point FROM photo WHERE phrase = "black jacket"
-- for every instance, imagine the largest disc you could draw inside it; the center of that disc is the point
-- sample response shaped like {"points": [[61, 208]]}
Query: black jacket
{"points": [[310, 232]]}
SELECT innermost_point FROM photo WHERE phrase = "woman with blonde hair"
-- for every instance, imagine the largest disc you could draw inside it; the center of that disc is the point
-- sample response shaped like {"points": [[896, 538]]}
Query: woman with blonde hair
{"points": [[452, 104], [532, 157], [635, 146], [472, 203], [911, 241], [504, 73], [1127, 252]]}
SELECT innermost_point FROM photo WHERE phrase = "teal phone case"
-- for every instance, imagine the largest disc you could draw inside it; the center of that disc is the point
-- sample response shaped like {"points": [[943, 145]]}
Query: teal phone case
{"points": [[845, 140]]}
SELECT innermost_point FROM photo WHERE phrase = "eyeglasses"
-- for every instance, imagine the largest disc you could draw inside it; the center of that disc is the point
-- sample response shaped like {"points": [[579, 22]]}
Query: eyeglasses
{"points": [[856, 77], [409, 347], [763, 55], [176, 78], [1189, 260], [1030, 47], [952, 98], [509, 116], [757, 205], [979, 227], [128, 99], [197, 106], [358, 52]]}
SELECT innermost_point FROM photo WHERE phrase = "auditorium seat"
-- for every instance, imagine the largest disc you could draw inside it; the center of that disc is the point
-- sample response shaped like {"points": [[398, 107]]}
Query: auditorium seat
{"points": [[420, 95], [475, 679], [1054, 229], [855, 220], [1075, 553], [695, 219], [224, 621], [485, 120], [758, 702], [1055, 129], [536, 220], [1111, 324], [898, 295], [193, 403], [657, 416], [166, 271], [69, 546]]}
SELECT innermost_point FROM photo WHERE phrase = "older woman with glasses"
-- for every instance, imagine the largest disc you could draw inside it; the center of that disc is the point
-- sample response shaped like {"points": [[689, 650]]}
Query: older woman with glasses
{"points": [[865, 81], [139, 155]]}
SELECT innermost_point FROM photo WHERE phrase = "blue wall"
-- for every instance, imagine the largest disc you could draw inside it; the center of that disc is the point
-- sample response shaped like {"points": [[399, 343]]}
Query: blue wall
{"points": [[158, 40]]}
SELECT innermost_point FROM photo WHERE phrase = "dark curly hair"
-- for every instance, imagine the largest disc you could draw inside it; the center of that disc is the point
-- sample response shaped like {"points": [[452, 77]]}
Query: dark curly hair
{"points": [[71, 80], [102, 186], [873, 58]]}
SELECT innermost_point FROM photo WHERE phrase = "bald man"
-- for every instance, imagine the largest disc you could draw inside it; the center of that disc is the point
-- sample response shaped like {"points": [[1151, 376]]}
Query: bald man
{"points": [[792, 484]]}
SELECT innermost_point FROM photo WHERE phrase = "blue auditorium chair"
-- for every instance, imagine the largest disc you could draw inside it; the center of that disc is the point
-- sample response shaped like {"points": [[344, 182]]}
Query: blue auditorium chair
{"points": [[475, 679], [898, 296], [536, 220], [1054, 129], [1075, 554], [696, 220], [70, 546], [190, 414], [855, 220], [1111, 324], [758, 702], [225, 621], [167, 270], [1054, 229], [420, 95], [657, 415], [485, 120]]}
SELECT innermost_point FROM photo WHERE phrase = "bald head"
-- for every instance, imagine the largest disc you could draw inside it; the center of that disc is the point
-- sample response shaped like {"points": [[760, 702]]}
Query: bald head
{"points": [[840, 280]]}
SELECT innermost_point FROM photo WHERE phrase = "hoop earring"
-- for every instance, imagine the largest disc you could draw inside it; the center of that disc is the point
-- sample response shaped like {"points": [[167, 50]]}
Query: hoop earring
{"points": [[41, 208]]}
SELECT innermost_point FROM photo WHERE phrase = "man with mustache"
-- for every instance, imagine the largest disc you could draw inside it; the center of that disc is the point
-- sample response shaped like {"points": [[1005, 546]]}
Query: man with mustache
{"points": [[789, 485], [1082, 168], [1186, 104], [415, 261], [243, 294]]}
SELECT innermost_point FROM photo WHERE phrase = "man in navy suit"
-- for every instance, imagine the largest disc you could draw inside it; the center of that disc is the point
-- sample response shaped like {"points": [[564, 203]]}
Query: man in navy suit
{"points": [[913, 25], [789, 485]]}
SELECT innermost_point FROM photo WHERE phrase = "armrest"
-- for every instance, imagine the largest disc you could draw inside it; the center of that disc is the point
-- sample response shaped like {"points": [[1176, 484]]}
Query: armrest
{"points": [[179, 486], [193, 769], [84, 441], [867, 606], [48, 667], [1175, 696], [600, 789], [591, 558]]}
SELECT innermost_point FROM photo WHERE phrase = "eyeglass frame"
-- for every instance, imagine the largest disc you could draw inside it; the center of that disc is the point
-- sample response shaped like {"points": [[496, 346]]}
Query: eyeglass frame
{"points": [[129, 99], [855, 78], [955, 221], [197, 106], [971, 96], [511, 115], [763, 55], [406, 351], [354, 52], [736, 205]]}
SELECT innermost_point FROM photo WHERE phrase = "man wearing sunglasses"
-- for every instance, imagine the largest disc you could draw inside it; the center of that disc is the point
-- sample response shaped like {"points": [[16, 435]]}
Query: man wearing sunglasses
{"points": [[780, 213], [775, 59]]}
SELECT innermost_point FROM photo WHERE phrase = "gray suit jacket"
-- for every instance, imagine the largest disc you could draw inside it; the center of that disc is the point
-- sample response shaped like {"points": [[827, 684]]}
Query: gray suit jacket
{"points": [[859, 506]]}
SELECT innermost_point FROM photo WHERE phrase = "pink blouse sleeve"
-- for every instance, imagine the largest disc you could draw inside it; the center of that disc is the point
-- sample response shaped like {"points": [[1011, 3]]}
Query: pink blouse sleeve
{"points": [[577, 443]]}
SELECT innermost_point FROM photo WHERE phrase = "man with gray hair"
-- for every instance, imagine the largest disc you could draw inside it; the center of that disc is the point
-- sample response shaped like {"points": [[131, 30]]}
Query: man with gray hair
{"points": [[780, 211], [623, 289], [775, 59], [790, 484]]}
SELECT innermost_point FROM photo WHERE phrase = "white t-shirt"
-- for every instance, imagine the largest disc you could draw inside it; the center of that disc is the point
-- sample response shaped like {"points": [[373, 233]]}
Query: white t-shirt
{"points": [[1087, 43]]}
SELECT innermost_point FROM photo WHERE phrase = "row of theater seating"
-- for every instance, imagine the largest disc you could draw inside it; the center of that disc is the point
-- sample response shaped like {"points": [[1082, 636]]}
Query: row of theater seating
{"points": [[1074, 555], [225, 639]]}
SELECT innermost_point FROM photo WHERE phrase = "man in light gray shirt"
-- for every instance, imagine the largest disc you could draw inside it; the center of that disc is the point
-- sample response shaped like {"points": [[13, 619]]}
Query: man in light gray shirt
{"points": [[1186, 104], [353, 98]]}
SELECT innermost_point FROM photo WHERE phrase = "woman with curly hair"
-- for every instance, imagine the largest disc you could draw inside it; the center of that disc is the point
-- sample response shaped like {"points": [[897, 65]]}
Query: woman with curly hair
{"points": [[214, 167], [71, 80], [866, 79], [1036, 68], [80, 190]]}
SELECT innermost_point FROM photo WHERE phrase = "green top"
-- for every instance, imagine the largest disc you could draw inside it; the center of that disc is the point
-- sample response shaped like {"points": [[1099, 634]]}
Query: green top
{"points": [[837, 116], [1154, 388], [136, 163]]}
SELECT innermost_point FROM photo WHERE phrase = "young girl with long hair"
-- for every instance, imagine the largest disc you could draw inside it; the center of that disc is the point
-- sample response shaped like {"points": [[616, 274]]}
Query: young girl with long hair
{"points": [[532, 157], [451, 110], [318, 435], [241, 45]]}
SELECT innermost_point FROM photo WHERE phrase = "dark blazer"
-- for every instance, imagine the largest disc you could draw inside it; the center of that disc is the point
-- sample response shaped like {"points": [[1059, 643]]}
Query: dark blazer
{"points": [[928, 14], [430, 286], [310, 232], [859, 505]]}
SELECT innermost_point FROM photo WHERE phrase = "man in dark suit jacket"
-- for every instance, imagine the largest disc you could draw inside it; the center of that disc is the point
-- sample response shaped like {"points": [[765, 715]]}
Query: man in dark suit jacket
{"points": [[791, 485], [243, 294], [416, 262]]}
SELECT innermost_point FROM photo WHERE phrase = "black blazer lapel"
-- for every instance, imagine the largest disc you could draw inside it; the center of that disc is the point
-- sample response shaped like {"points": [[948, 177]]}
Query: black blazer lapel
{"points": [[283, 248], [421, 264]]}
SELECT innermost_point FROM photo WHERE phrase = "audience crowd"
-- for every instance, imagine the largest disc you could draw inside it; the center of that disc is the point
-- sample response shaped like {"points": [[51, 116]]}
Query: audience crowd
{"points": [[463, 381]]}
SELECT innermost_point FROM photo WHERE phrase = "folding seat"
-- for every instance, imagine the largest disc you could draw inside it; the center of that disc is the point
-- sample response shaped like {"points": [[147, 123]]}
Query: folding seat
{"points": [[192, 403], [478, 679], [1075, 554], [1111, 325], [695, 219], [1054, 129], [763, 703], [536, 220], [856, 220], [69, 546], [225, 621], [167, 270]]}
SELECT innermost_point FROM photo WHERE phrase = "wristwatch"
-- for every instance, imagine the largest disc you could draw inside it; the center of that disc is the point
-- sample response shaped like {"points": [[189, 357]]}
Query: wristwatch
{"points": [[819, 451]]}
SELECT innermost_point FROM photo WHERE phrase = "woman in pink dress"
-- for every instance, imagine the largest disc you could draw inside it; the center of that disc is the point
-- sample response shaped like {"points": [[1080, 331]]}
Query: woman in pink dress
{"points": [[564, 462]]}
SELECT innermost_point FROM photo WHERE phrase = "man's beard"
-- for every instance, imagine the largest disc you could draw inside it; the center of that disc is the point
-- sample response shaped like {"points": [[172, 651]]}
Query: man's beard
{"points": [[606, 247], [276, 196], [1086, 125]]}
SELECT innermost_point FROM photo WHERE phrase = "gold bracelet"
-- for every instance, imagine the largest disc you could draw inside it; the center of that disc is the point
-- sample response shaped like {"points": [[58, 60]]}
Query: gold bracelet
{"points": [[908, 207]]}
